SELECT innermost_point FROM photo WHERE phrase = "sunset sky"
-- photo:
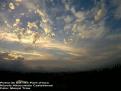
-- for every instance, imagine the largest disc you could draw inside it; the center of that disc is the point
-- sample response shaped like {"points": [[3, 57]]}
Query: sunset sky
{"points": [[72, 35]]}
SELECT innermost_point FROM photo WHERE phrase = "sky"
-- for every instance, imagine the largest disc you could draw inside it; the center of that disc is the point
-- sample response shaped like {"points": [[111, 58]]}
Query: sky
{"points": [[85, 34]]}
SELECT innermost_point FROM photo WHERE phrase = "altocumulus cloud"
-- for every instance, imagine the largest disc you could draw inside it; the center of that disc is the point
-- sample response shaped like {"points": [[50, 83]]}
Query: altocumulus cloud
{"points": [[92, 45]]}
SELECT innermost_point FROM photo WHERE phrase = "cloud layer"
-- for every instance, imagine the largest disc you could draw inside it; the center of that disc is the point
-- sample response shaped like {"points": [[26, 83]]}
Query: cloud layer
{"points": [[82, 38]]}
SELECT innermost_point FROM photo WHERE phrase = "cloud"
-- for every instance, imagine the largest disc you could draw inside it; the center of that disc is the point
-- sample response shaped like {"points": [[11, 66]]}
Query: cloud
{"points": [[117, 13], [68, 19], [92, 29], [95, 54], [114, 36], [92, 45]]}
